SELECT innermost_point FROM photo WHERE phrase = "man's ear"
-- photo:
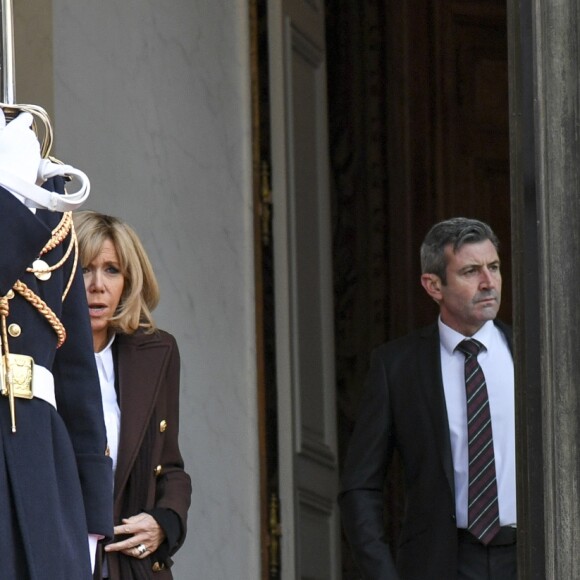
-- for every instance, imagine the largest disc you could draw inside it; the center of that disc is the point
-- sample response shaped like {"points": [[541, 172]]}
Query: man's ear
{"points": [[432, 285]]}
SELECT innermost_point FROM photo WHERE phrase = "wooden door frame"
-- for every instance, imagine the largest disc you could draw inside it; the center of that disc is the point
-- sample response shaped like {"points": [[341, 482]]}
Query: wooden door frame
{"points": [[259, 286]]}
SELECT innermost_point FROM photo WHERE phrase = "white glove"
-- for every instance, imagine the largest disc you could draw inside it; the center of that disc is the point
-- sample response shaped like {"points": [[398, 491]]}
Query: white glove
{"points": [[19, 147]]}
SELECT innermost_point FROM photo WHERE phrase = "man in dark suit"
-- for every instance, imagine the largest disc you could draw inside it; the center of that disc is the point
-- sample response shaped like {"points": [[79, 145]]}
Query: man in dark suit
{"points": [[459, 474]]}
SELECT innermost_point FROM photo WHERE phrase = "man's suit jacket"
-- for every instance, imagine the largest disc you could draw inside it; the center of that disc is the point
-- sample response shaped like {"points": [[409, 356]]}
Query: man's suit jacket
{"points": [[150, 472], [403, 408]]}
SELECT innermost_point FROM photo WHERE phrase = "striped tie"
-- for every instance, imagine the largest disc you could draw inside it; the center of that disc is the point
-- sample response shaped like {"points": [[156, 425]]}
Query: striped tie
{"points": [[483, 510]]}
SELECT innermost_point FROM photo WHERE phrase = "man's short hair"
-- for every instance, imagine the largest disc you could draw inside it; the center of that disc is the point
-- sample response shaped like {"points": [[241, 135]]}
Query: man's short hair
{"points": [[457, 232]]}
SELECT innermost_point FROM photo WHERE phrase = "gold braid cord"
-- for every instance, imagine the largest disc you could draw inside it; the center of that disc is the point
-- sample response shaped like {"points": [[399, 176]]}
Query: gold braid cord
{"points": [[4, 306], [75, 263], [59, 234], [44, 309], [5, 369], [4, 311]]}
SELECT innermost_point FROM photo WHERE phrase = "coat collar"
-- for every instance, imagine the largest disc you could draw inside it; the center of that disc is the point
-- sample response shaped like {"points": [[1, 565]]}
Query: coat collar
{"points": [[140, 365]]}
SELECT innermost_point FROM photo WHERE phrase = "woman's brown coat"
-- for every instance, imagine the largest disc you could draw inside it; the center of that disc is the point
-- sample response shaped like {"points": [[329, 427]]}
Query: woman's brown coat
{"points": [[150, 471]]}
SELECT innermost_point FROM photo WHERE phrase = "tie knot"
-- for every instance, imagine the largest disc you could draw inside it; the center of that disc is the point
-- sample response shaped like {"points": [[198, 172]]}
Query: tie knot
{"points": [[470, 347]]}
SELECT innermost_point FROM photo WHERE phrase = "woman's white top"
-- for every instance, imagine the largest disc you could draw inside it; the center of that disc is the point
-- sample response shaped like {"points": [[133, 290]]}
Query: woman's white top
{"points": [[106, 369]]}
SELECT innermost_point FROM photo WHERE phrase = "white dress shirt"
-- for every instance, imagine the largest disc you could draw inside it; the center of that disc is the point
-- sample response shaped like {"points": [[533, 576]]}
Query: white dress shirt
{"points": [[111, 410], [106, 369], [497, 364]]}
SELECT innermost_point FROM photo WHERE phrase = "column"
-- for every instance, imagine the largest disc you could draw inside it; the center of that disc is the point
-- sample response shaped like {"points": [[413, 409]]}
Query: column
{"points": [[545, 155]]}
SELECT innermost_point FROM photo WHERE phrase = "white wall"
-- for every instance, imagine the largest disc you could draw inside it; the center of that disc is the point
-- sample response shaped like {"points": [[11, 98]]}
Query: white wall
{"points": [[151, 100]]}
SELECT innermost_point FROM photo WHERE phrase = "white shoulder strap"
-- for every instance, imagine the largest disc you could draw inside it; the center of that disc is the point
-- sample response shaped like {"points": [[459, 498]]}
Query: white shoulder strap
{"points": [[36, 196]]}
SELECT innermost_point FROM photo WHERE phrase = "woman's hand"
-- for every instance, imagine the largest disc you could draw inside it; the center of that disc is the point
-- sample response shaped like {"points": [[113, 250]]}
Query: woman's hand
{"points": [[146, 536]]}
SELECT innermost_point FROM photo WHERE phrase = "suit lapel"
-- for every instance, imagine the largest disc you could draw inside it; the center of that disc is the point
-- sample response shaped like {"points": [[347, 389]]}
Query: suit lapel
{"points": [[431, 381], [140, 367]]}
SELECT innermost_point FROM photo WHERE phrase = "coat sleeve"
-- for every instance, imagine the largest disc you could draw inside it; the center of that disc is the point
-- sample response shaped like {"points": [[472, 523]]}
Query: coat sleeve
{"points": [[361, 499], [173, 489], [78, 396]]}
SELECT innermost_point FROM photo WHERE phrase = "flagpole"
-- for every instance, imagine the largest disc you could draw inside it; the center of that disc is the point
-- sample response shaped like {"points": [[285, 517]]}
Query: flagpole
{"points": [[7, 63], [41, 124]]}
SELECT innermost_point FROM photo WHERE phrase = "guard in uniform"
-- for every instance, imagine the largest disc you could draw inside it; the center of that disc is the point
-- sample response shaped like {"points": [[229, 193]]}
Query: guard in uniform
{"points": [[55, 477]]}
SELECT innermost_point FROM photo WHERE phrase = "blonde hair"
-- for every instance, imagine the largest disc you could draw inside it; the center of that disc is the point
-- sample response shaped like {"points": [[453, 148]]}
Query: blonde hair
{"points": [[141, 291]]}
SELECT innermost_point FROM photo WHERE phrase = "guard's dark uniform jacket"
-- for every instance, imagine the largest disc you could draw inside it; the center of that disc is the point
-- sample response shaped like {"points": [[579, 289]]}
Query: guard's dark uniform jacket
{"points": [[55, 477]]}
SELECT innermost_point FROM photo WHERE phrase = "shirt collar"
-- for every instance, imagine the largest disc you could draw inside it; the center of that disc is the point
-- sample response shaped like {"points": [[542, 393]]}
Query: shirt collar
{"points": [[451, 338], [104, 360]]}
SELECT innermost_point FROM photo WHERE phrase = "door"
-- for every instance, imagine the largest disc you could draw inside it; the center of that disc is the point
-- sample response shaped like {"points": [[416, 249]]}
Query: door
{"points": [[448, 137], [308, 464]]}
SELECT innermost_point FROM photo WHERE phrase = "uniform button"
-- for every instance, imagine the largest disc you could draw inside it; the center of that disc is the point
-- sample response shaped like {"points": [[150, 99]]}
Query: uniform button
{"points": [[41, 268], [10, 294], [14, 330], [108, 451], [162, 426], [157, 471]]}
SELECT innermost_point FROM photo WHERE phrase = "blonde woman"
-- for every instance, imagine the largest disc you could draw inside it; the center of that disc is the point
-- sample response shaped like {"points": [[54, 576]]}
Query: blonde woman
{"points": [[138, 368]]}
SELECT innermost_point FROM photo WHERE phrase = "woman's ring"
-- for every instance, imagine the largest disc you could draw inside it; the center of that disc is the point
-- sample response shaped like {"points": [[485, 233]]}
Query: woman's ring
{"points": [[141, 549]]}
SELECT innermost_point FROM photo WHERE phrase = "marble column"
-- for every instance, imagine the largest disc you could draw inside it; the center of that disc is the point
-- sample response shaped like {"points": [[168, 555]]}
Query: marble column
{"points": [[545, 149]]}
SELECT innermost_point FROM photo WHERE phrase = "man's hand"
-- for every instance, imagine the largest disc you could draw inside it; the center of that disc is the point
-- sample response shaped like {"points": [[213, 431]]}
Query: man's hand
{"points": [[19, 147]]}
